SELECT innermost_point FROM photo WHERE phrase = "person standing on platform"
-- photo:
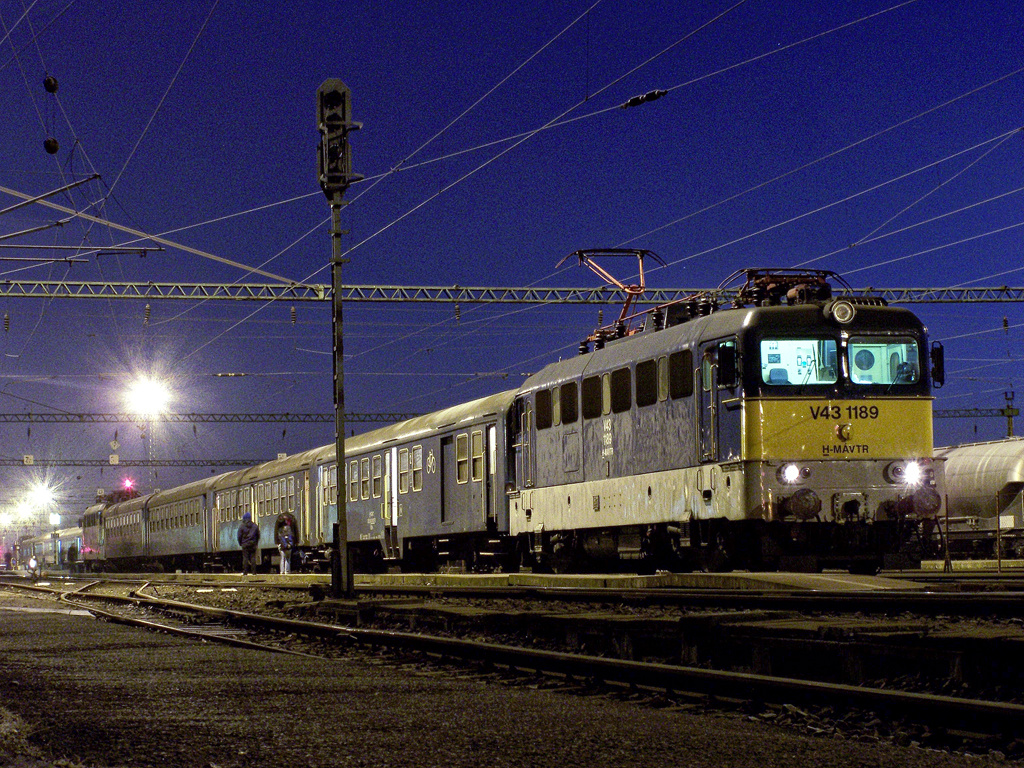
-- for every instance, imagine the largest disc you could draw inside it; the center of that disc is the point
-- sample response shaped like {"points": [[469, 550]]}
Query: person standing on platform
{"points": [[285, 534], [249, 541], [285, 542]]}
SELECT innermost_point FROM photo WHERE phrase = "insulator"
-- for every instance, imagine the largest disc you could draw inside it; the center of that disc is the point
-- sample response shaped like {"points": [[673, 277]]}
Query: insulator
{"points": [[7, 321], [293, 315], [458, 313], [50, 84], [145, 317], [51, 145], [600, 317]]}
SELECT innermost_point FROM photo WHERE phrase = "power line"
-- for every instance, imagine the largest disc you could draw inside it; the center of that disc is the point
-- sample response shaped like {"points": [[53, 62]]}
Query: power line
{"points": [[200, 418], [38, 462]]}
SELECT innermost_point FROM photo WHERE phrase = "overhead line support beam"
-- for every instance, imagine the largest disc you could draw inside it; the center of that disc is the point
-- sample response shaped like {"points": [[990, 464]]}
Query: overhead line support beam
{"points": [[385, 294]]}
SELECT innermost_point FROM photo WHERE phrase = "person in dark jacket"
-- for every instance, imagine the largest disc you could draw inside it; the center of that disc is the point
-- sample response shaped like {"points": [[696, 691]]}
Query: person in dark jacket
{"points": [[249, 541], [284, 536]]}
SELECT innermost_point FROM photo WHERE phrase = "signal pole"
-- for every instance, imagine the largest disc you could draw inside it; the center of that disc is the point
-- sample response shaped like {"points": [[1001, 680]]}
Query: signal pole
{"points": [[334, 165]]}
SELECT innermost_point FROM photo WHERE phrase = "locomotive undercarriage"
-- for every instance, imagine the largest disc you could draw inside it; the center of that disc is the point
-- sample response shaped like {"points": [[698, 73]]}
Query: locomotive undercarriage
{"points": [[721, 545]]}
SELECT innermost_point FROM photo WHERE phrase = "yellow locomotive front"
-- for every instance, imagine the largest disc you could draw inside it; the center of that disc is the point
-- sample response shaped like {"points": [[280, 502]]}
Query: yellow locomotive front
{"points": [[831, 438]]}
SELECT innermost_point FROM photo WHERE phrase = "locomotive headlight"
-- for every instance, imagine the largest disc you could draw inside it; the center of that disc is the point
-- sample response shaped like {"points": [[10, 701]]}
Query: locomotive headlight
{"points": [[842, 311], [905, 473], [793, 473]]}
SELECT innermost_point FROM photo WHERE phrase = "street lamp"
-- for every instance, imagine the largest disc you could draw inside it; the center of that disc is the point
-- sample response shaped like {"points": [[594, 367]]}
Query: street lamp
{"points": [[149, 397]]}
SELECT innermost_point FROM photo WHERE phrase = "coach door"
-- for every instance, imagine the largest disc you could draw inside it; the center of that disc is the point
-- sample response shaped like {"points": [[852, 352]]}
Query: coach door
{"points": [[720, 402], [390, 507], [524, 443], [707, 376]]}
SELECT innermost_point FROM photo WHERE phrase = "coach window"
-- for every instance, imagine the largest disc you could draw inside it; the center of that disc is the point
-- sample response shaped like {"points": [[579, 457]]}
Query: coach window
{"points": [[570, 403], [680, 373], [543, 408], [364, 482], [646, 383], [377, 474], [606, 394], [259, 500], [246, 500], [662, 379], [591, 397], [331, 492], [403, 470], [353, 480], [291, 493], [556, 406], [417, 468], [478, 456], [462, 458]]}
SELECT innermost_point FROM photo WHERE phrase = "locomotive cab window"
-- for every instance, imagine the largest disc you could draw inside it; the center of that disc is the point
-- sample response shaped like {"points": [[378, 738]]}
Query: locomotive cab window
{"points": [[798, 362], [889, 360]]}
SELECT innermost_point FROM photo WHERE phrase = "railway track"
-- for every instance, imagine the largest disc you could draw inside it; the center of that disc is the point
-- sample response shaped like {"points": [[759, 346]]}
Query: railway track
{"points": [[948, 714]]}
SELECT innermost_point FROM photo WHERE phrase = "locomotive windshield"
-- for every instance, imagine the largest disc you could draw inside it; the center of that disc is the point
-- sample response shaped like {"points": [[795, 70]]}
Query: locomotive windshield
{"points": [[883, 360], [798, 362], [871, 360]]}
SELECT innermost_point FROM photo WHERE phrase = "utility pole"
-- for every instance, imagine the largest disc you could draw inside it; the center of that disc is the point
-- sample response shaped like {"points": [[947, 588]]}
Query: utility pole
{"points": [[334, 165]]}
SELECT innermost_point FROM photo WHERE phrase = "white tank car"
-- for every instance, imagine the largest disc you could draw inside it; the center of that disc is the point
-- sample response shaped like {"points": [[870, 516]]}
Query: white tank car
{"points": [[984, 483]]}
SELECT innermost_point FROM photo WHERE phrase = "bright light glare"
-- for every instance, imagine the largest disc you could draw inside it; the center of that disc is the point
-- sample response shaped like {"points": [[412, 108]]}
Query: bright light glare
{"points": [[912, 473], [54, 519], [6, 518], [791, 473], [148, 397], [128, 484], [40, 496]]}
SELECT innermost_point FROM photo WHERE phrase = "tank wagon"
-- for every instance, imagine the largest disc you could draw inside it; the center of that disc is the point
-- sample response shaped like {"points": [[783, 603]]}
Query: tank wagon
{"points": [[985, 491], [790, 430]]}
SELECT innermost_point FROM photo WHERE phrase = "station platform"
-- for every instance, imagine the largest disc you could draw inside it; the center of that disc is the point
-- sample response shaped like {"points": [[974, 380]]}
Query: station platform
{"points": [[974, 565]]}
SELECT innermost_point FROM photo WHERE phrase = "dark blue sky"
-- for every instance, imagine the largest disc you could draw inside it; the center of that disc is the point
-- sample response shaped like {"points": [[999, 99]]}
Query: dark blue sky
{"points": [[790, 131]]}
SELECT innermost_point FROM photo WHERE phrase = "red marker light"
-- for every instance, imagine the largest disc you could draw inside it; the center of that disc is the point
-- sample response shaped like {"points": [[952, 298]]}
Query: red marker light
{"points": [[128, 483]]}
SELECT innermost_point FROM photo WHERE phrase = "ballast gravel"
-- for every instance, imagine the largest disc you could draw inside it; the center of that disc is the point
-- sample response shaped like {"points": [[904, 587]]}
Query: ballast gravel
{"points": [[100, 694]]}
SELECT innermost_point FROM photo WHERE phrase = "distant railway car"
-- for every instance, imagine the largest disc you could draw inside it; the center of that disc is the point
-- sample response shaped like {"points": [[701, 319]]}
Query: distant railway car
{"points": [[51, 549], [267, 491], [431, 491], [985, 491], [176, 528], [92, 554], [793, 430]]}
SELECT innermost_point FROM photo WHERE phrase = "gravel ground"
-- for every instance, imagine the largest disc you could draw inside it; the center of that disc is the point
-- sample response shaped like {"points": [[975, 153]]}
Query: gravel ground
{"points": [[106, 695]]}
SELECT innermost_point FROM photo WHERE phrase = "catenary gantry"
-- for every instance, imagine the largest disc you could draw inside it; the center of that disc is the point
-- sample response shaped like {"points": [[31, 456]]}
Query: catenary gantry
{"points": [[296, 292]]}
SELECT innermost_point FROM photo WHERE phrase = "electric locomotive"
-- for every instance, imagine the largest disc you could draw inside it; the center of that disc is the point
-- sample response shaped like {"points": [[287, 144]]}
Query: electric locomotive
{"points": [[793, 430]]}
